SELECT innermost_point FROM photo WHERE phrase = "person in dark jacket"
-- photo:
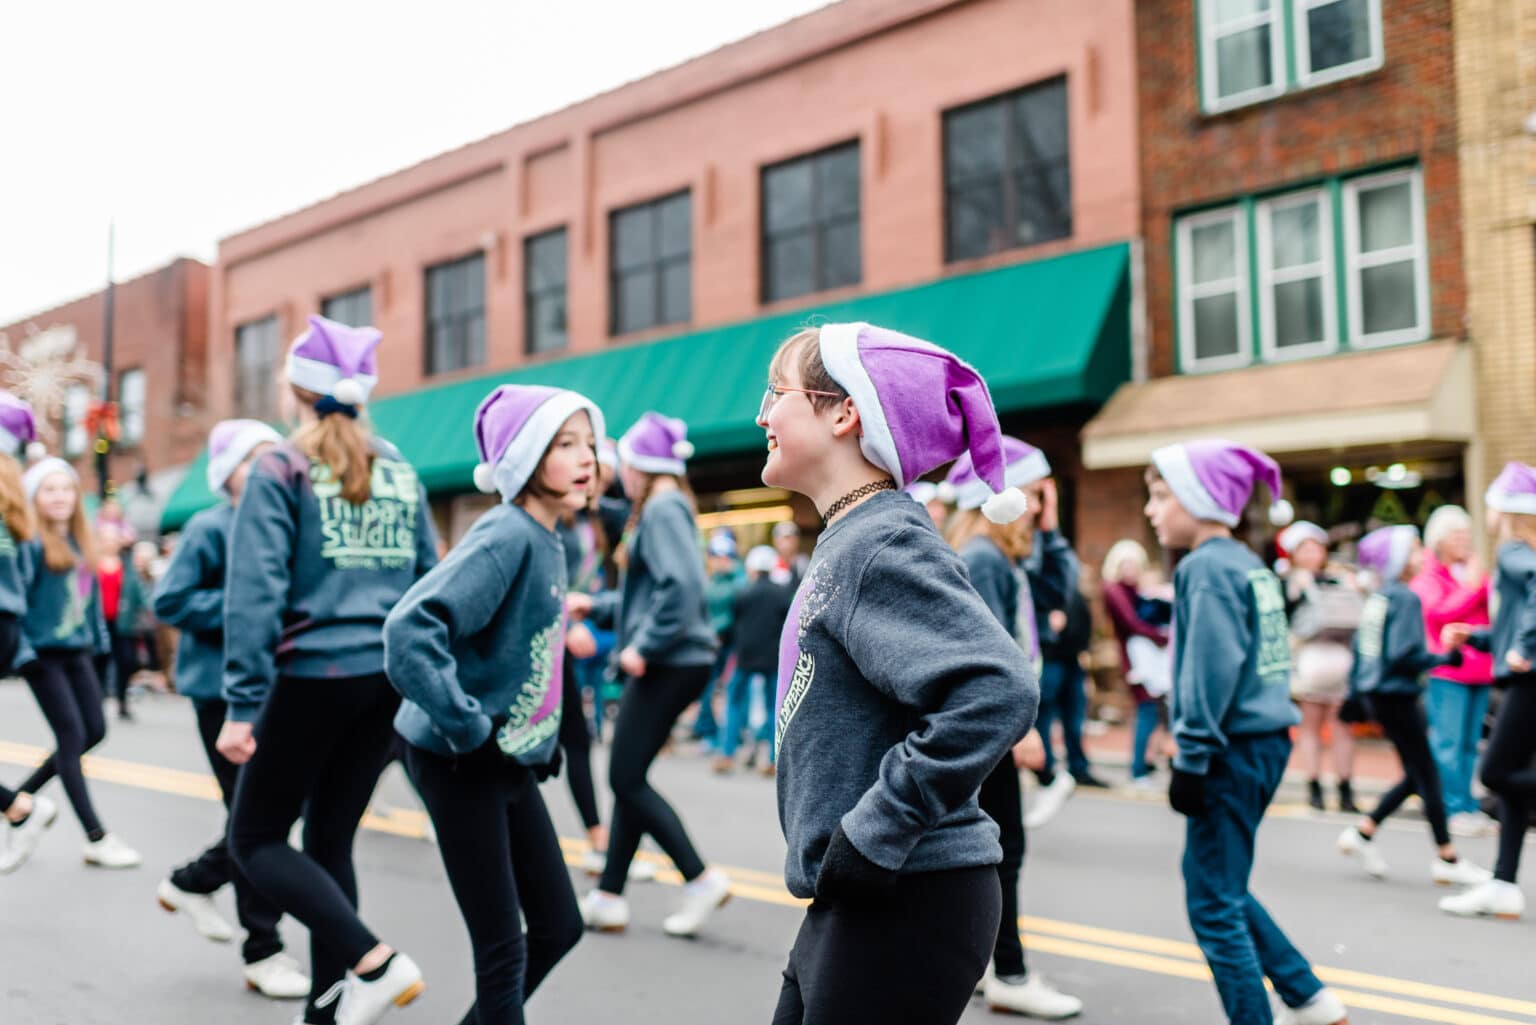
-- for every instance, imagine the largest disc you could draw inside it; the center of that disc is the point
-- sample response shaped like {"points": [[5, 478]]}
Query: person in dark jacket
{"points": [[1391, 658], [760, 608]]}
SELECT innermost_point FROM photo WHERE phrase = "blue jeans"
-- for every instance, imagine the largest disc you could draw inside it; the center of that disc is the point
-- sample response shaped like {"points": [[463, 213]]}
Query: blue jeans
{"points": [[1146, 725], [1241, 943], [1062, 694], [738, 710], [591, 674], [1456, 712], [705, 727]]}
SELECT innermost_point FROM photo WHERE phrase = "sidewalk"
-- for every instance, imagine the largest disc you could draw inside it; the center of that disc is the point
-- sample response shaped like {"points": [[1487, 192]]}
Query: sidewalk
{"points": [[1377, 766]]}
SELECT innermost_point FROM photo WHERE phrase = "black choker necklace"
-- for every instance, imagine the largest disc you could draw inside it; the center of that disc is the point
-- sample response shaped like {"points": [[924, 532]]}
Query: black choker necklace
{"points": [[854, 495]]}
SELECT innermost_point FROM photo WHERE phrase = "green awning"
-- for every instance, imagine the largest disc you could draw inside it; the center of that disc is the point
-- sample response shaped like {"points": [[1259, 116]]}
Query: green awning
{"points": [[1048, 333]]}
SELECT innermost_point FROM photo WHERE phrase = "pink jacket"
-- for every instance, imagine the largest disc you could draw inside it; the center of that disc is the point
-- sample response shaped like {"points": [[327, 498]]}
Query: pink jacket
{"points": [[1447, 601]]}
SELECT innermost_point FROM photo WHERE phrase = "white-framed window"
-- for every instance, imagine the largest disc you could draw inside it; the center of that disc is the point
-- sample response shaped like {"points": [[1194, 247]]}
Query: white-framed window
{"points": [[1336, 39], [1215, 331], [1387, 274], [1244, 46], [1297, 307], [1241, 46], [77, 407], [131, 401]]}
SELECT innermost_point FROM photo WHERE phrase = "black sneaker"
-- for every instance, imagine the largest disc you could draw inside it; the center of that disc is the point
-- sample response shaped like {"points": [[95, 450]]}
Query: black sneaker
{"points": [[1315, 795], [1088, 779], [1347, 799]]}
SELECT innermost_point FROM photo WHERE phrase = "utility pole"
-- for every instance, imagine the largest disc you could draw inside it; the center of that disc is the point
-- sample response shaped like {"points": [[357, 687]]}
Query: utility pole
{"points": [[103, 442]]}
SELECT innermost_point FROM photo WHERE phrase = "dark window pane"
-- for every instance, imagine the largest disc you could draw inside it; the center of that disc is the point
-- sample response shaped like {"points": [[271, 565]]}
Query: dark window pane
{"points": [[675, 227], [789, 267], [354, 308], [1040, 125], [256, 368], [1339, 33], [676, 293], [1216, 330], [1299, 312], [635, 301], [1044, 206], [456, 315], [787, 196], [546, 260], [838, 187], [633, 240], [546, 323], [976, 222], [1387, 298], [840, 261], [973, 142]]}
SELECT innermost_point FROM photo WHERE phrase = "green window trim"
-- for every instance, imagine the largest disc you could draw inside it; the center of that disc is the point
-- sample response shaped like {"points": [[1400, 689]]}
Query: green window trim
{"points": [[1288, 25], [1348, 335]]}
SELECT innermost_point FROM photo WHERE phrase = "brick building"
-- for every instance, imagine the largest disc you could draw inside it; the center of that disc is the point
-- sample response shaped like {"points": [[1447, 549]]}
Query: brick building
{"points": [[961, 169], [1305, 286], [160, 379]]}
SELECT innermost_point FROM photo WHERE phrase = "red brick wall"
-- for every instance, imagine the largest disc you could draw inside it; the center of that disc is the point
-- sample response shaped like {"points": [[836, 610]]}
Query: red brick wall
{"points": [[160, 325], [1406, 109]]}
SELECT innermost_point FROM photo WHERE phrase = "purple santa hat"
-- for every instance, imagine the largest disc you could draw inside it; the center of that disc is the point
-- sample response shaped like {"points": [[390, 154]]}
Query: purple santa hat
{"points": [[1385, 551], [1025, 464], [921, 407], [1214, 479], [334, 360], [17, 426], [1513, 490], [657, 444], [513, 428], [228, 445]]}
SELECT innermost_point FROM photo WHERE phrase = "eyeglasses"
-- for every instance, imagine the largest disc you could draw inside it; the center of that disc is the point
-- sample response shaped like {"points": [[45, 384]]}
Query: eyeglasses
{"points": [[774, 391]]}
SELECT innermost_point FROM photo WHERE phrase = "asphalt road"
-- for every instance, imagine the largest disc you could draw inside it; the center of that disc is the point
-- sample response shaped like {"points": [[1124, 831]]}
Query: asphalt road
{"points": [[1101, 895]]}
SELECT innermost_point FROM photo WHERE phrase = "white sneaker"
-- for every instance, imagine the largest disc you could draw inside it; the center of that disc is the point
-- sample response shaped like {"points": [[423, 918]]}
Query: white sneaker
{"points": [[1324, 1009], [1050, 800], [642, 871], [605, 912], [364, 1003], [110, 852], [199, 907], [593, 862], [1149, 784], [1352, 844], [22, 840], [700, 899], [1473, 824], [1458, 873], [1033, 997], [277, 978], [1495, 897]]}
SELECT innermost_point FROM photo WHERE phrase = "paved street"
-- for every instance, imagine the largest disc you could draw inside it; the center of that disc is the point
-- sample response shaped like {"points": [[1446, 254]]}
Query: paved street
{"points": [[85, 947]]}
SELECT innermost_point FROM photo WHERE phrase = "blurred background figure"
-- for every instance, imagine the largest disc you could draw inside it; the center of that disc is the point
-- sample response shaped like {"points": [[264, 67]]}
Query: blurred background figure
{"points": [[760, 607], [1139, 617]]}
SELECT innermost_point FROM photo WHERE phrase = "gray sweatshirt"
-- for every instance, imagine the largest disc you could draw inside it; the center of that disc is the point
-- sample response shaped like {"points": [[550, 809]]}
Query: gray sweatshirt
{"points": [[13, 597], [191, 598], [1514, 619], [481, 640], [1231, 652], [660, 609], [312, 576], [1391, 650], [899, 691]]}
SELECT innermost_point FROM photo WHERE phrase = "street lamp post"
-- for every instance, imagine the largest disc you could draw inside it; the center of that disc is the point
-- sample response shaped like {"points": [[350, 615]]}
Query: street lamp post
{"points": [[104, 418]]}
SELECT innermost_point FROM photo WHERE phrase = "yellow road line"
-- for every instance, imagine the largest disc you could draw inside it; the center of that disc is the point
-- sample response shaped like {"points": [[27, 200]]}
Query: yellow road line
{"points": [[1153, 954]]}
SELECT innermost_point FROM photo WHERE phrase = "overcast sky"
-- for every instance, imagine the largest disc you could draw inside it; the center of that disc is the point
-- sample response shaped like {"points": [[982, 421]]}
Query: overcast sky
{"points": [[187, 121]]}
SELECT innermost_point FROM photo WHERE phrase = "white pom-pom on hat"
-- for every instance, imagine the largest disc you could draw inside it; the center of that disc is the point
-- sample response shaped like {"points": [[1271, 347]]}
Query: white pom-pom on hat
{"points": [[683, 449], [485, 478], [946, 492], [1281, 513], [349, 392], [36, 451], [1006, 506]]}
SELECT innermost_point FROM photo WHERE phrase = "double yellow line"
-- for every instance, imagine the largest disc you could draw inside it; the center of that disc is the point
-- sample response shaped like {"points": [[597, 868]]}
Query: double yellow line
{"points": [[1159, 956]]}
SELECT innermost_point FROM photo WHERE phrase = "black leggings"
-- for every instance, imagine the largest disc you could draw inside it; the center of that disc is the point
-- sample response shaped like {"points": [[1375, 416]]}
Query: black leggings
{"points": [[1003, 801], [1508, 772], [214, 868], [502, 857], [320, 747], [577, 743], [65, 686], [647, 713], [1402, 719], [912, 956]]}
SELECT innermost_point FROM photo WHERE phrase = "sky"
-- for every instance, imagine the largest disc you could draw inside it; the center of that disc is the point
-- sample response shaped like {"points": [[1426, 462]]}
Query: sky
{"points": [[184, 122]]}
